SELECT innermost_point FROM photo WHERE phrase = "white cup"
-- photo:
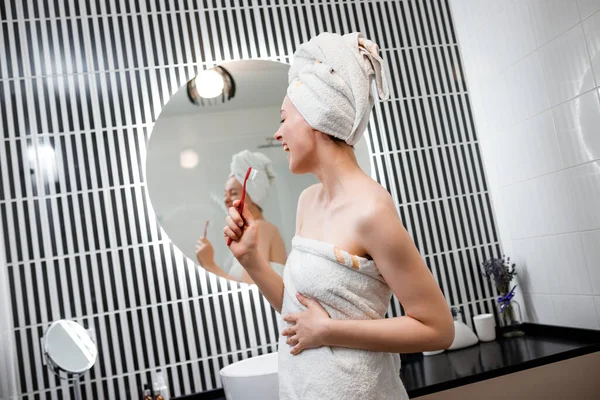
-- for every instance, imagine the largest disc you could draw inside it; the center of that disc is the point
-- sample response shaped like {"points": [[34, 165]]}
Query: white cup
{"points": [[485, 325]]}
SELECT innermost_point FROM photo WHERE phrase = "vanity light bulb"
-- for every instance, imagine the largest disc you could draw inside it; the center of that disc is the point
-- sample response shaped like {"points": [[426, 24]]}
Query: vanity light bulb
{"points": [[188, 159], [209, 84]]}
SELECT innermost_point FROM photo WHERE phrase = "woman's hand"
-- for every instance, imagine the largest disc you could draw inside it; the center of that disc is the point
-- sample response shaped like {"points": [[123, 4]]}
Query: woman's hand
{"points": [[243, 230], [205, 253], [310, 326]]}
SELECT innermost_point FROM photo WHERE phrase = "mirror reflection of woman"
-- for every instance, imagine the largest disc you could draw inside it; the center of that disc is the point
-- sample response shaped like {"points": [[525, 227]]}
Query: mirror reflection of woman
{"points": [[271, 246], [351, 251]]}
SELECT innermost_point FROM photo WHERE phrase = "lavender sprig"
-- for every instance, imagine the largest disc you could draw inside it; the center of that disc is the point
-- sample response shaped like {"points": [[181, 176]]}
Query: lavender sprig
{"points": [[501, 271]]}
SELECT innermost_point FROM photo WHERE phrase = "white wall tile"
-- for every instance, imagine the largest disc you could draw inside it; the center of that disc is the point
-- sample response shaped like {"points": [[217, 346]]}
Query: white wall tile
{"points": [[527, 150], [541, 206], [478, 13], [478, 107], [550, 18], [591, 248], [577, 125], [502, 215], [463, 21], [588, 7], [489, 160], [498, 113], [478, 61], [480, 46], [525, 89], [566, 66], [539, 309], [584, 185], [597, 301], [563, 259], [514, 33], [591, 27], [533, 269], [519, 219], [553, 264], [527, 57], [576, 311]]}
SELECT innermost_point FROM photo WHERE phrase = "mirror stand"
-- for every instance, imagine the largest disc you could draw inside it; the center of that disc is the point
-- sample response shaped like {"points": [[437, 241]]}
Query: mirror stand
{"points": [[69, 352], [62, 374]]}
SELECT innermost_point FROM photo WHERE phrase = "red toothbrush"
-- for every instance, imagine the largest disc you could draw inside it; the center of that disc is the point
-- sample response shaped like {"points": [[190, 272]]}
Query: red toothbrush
{"points": [[249, 174], [206, 228]]}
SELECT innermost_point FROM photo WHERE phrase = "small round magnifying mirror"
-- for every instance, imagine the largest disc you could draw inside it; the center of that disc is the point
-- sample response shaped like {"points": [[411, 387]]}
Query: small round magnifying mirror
{"points": [[69, 350]]}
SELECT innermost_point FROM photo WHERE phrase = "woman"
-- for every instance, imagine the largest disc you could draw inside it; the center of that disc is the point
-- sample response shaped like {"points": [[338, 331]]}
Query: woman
{"points": [[271, 246], [350, 251]]}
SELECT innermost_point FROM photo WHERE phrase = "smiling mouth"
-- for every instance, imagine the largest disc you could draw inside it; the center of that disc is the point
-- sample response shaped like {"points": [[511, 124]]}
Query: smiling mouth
{"points": [[286, 148]]}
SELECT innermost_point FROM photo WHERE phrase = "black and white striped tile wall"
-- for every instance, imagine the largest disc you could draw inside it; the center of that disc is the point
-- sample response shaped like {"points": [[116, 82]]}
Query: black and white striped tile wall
{"points": [[81, 83]]}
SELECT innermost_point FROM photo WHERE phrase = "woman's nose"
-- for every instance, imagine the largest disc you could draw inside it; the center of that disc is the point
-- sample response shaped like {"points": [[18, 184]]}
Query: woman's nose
{"points": [[277, 135]]}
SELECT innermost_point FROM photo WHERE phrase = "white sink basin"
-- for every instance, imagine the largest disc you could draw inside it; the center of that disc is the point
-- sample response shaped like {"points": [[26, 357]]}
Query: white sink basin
{"points": [[252, 379]]}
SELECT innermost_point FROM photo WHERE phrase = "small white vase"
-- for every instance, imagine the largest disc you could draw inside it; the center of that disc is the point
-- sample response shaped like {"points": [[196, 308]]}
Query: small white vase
{"points": [[463, 336]]}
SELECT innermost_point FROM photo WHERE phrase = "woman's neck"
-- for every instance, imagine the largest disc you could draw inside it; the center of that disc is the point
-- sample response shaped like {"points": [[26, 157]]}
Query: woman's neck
{"points": [[336, 170], [255, 211]]}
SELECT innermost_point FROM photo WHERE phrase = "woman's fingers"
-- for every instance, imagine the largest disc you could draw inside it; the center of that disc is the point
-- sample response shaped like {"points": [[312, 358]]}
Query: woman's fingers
{"points": [[292, 341], [247, 216], [236, 217], [231, 224], [230, 234]]}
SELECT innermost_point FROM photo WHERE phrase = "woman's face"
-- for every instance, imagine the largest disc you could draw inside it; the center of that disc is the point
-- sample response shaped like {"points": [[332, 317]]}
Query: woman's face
{"points": [[297, 137], [233, 192]]}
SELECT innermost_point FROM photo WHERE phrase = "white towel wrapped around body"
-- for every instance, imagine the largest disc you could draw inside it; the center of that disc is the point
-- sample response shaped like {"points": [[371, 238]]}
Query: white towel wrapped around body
{"points": [[330, 83], [348, 287], [257, 188]]}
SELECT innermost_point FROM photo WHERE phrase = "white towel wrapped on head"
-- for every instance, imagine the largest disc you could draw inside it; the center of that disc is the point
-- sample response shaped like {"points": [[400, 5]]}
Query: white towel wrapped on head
{"points": [[257, 188], [330, 83]]}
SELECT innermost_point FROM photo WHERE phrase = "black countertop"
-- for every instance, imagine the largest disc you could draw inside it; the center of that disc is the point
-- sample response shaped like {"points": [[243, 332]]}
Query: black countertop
{"points": [[541, 345]]}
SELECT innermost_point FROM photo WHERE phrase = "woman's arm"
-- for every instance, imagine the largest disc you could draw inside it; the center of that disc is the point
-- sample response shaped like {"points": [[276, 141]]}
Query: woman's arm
{"points": [[277, 248], [269, 252], [428, 323], [215, 269], [245, 248], [268, 281]]}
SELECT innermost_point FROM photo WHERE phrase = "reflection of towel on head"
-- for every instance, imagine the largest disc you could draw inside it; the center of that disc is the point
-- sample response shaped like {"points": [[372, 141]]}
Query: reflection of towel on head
{"points": [[257, 188], [330, 83]]}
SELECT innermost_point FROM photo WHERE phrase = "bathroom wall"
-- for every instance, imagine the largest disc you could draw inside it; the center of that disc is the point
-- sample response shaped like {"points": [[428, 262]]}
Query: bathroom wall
{"points": [[8, 361], [533, 73], [81, 84]]}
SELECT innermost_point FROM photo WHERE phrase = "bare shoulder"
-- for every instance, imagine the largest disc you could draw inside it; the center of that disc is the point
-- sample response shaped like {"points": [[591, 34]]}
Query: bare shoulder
{"points": [[268, 229], [266, 225], [372, 198], [306, 197], [374, 205], [309, 193]]}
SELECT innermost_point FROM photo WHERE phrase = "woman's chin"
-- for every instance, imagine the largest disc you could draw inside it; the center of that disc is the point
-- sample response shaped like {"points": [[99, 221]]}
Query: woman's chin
{"points": [[295, 167]]}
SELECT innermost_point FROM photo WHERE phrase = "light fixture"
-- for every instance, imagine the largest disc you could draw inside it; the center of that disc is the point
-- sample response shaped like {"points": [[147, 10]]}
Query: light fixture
{"points": [[188, 159], [209, 85]]}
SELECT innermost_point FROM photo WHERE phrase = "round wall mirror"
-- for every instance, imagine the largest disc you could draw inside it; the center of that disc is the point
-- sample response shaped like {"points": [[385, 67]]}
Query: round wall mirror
{"points": [[199, 151], [68, 349]]}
